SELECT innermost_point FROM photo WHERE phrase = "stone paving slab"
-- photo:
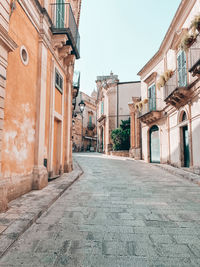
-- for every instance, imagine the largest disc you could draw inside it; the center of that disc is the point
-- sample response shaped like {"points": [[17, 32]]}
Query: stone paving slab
{"points": [[25, 210], [192, 177]]}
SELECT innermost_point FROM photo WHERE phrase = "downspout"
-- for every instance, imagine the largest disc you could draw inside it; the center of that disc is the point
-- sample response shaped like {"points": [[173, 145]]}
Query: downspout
{"points": [[117, 105], [97, 148]]}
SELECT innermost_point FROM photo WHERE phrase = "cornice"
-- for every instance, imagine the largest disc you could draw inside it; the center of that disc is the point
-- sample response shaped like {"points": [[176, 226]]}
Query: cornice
{"points": [[179, 18], [7, 40]]}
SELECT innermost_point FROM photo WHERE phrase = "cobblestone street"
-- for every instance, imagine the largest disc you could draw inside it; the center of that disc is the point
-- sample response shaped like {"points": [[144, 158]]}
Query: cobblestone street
{"points": [[119, 213]]}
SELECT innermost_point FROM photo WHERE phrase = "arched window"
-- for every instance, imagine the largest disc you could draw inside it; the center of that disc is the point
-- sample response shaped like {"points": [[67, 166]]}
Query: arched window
{"points": [[184, 116]]}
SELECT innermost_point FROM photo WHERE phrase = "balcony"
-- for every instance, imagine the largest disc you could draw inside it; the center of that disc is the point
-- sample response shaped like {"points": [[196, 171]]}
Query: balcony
{"points": [[176, 94], [63, 22], [151, 111], [194, 58], [90, 126]]}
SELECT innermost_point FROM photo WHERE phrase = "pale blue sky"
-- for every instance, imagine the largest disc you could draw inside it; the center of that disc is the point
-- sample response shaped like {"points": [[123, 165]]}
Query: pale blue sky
{"points": [[120, 35]]}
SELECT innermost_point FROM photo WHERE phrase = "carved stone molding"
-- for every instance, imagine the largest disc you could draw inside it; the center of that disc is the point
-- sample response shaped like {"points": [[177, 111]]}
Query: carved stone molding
{"points": [[58, 41], [64, 52]]}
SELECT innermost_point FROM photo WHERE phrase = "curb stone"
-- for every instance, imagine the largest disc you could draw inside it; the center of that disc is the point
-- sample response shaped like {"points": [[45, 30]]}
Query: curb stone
{"points": [[194, 178], [26, 209]]}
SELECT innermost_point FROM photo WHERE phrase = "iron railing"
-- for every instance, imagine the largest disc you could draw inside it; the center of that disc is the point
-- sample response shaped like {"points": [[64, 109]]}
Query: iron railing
{"points": [[63, 21], [170, 85], [91, 126], [154, 104], [194, 54]]}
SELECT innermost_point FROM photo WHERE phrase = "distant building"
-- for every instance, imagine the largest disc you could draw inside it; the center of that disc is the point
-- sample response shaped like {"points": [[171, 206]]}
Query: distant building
{"points": [[84, 124], [112, 107]]}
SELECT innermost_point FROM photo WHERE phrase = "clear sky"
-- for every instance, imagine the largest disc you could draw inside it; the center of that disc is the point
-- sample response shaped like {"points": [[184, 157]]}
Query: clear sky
{"points": [[120, 35]]}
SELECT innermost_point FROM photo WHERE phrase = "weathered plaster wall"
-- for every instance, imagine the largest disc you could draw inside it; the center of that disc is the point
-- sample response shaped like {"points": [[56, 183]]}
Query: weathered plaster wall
{"points": [[19, 124]]}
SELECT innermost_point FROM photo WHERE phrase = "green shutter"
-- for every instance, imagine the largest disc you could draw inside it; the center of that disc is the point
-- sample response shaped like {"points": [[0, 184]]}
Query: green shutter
{"points": [[60, 10], [102, 107], [182, 69], [152, 97]]}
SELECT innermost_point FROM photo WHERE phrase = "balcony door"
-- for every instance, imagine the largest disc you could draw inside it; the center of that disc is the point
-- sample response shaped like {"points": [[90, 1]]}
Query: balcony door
{"points": [[152, 97], [182, 69], [60, 14]]}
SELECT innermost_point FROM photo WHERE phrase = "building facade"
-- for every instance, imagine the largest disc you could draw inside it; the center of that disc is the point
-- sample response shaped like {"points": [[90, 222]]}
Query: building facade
{"points": [[84, 128], [169, 109], [112, 107], [39, 42]]}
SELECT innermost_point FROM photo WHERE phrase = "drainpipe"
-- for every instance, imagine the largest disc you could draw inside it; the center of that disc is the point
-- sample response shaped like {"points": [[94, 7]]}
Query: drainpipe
{"points": [[117, 105]]}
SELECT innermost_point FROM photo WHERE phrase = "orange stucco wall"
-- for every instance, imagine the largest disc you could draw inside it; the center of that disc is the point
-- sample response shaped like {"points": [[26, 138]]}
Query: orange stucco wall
{"points": [[48, 99], [20, 101]]}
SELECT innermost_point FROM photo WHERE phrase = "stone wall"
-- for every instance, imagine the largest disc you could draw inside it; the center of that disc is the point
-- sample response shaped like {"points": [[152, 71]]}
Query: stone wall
{"points": [[120, 153]]}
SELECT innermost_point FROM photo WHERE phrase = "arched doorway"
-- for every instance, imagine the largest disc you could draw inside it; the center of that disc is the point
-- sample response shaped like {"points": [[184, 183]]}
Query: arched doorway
{"points": [[154, 144], [185, 142]]}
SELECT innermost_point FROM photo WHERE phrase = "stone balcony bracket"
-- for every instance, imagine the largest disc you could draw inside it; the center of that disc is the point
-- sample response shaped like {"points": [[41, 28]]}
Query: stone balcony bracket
{"points": [[64, 52], [151, 117], [179, 97], [58, 41]]}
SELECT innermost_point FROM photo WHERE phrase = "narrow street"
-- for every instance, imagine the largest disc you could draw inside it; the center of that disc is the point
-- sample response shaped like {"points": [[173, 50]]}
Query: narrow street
{"points": [[119, 213]]}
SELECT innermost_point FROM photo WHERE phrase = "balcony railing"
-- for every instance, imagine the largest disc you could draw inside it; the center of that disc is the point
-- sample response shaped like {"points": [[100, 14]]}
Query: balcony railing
{"points": [[170, 85], [63, 22], [154, 104], [151, 111], [194, 57], [90, 126]]}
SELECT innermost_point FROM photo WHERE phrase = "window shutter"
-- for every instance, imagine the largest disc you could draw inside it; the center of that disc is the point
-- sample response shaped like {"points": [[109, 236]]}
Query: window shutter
{"points": [[180, 77], [182, 69]]}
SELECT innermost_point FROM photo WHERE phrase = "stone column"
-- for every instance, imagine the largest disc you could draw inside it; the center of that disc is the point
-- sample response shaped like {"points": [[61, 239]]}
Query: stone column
{"points": [[68, 165], [40, 175]]}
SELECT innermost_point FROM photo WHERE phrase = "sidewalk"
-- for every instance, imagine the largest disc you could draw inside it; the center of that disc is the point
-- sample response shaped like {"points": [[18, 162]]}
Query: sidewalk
{"points": [[25, 210], [192, 177]]}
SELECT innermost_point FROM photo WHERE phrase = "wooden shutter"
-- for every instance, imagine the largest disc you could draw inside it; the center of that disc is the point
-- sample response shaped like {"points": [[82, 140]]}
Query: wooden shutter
{"points": [[182, 69]]}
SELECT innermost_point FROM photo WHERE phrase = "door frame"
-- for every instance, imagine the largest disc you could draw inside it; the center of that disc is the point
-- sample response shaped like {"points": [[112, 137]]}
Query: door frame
{"points": [[149, 143]]}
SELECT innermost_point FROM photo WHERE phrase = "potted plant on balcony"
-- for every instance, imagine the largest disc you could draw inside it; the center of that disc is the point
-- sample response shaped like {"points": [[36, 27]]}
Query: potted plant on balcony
{"points": [[164, 78], [145, 101], [188, 40], [195, 24]]}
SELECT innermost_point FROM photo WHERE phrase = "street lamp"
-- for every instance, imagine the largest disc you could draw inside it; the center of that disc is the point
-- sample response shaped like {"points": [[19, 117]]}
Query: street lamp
{"points": [[82, 107]]}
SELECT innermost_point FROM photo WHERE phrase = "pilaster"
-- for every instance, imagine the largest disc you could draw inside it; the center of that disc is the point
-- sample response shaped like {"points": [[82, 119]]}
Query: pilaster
{"points": [[40, 176]]}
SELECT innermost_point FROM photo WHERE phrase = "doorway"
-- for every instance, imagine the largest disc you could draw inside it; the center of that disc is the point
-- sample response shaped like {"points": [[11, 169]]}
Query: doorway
{"points": [[154, 144], [186, 149]]}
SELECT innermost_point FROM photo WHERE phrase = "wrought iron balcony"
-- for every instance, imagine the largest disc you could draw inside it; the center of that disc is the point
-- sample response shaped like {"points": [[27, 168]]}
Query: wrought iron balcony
{"points": [[151, 111], [90, 126], [63, 22], [176, 93], [194, 58]]}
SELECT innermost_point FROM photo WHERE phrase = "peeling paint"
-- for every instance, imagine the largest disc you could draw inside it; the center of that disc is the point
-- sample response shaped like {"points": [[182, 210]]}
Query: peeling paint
{"points": [[17, 142]]}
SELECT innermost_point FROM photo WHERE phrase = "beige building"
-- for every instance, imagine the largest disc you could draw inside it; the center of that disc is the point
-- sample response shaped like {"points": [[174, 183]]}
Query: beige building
{"points": [[112, 107], [39, 43], [169, 109], [84, 123]]}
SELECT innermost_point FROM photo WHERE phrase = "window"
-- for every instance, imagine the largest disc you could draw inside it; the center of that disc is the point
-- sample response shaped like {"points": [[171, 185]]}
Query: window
{"points": [[182, 70], [58, 81], [152, 97], [102, 107], [90, 121], [184, 116]]}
